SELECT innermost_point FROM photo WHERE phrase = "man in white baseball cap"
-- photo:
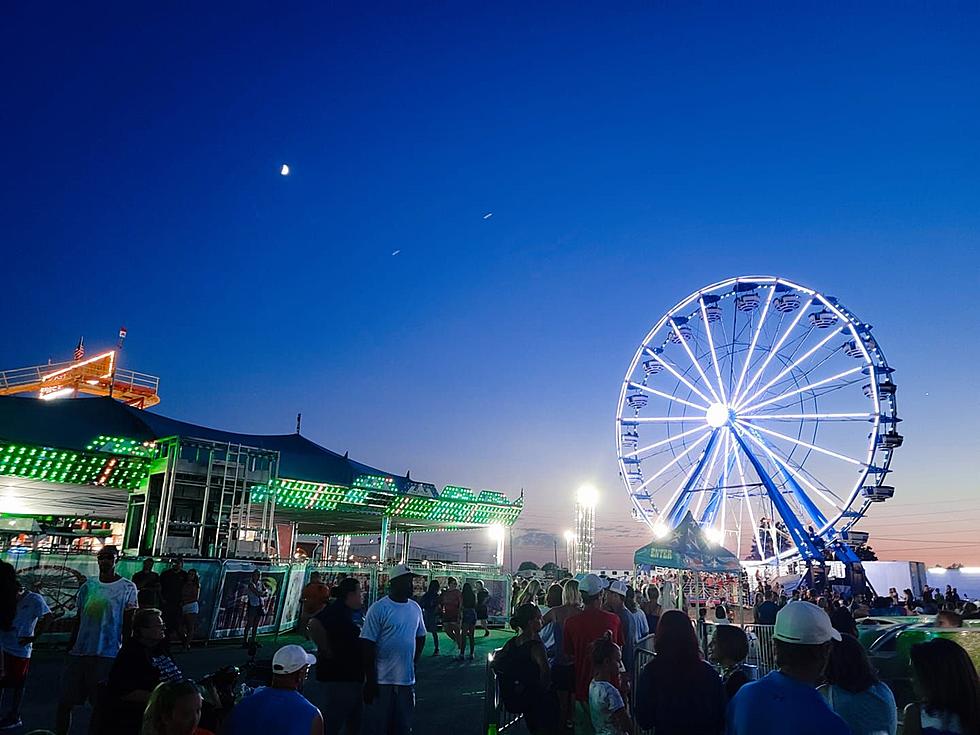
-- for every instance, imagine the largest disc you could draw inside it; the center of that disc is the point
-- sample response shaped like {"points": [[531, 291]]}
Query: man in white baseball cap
{"points": [[392, 638], [803, 637], [279, 708], [616, 604]]}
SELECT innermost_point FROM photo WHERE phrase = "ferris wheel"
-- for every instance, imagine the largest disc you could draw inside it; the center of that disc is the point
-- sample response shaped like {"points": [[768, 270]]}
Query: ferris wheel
{"points": [[767, 411]]}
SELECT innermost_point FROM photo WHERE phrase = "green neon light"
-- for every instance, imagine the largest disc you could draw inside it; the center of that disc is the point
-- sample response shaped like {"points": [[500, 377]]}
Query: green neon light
{"points": [[73, 468], [454, 505], [453, 492], [374, 482], [122, 445]]}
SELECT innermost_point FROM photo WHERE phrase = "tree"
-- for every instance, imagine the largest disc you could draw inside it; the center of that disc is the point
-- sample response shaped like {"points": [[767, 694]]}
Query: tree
{"points": [[866, 553], [528, 566], [551, 568]]}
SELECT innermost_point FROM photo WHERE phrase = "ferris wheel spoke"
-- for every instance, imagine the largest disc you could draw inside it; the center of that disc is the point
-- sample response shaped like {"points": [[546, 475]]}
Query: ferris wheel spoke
{"points": [[668, 396], [711, 346], [820, 392], [663, 442], [694, 361], [747, 501], [789, 368], [795, 379], [795, 471], [805, 416], [726, 471], [752, 344], [674, 461], [804, 389], [676, 374], [774, 349], [801, 443], [718, 492], [661, 419]]}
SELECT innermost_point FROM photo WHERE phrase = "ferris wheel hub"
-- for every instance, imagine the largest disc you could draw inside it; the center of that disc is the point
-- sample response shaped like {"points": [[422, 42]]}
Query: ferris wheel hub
{"points": [[718, 415]]}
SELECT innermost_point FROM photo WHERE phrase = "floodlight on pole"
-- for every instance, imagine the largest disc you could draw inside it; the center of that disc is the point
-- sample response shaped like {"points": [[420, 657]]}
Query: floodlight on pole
{"points": [[497, 532], [588, 496]]}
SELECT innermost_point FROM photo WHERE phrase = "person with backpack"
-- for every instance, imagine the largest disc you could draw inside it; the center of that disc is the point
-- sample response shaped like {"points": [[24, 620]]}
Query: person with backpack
{"points": [[523, 674]]}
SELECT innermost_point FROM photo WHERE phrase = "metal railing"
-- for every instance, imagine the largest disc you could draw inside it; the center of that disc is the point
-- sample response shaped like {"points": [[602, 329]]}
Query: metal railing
{"points": [[496, 718], [760, 661], [762, 649], [642, 655]]}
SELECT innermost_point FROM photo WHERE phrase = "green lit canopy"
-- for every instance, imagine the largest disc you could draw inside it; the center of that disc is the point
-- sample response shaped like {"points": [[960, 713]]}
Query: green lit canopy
{"points": [[685, 547], [50, 448]]}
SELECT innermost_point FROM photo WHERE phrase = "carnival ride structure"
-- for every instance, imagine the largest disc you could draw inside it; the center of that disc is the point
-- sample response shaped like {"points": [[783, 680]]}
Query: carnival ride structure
{"points": [[765, 409], [98, 375]]}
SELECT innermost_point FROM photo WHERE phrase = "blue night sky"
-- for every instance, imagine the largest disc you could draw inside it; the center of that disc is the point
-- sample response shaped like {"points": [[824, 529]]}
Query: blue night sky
{"points": [[628, 159]]}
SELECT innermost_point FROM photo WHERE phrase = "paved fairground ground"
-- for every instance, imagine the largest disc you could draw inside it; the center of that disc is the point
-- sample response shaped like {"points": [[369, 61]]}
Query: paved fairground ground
{"points": [[449, 692]]}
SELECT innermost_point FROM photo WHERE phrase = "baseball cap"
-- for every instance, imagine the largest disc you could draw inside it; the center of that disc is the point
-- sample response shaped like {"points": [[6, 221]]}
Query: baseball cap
{"points": [[400, 570], [591, 584], [291, 658], [618, 586], [803, 622]]}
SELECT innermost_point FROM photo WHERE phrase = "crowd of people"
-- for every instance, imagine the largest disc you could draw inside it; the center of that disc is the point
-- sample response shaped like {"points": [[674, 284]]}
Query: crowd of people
{"points": [[823, 682], [568, 668], [120, 658]]}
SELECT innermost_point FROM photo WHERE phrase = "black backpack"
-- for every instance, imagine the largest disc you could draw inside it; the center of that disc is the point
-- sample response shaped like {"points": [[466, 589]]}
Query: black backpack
{"points": [[517, 677]]}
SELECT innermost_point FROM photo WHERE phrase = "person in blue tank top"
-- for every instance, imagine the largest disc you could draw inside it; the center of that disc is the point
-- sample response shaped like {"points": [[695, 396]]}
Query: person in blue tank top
{"points": [[279, 708]]}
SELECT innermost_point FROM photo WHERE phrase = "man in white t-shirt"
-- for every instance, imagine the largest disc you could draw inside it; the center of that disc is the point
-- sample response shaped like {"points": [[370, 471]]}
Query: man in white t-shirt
{"points": [[392, 638], [30, 618], [103, 609]]}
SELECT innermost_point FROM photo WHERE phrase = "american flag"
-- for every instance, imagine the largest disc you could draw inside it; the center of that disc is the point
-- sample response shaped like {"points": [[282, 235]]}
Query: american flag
{"points": [[80, 350]]}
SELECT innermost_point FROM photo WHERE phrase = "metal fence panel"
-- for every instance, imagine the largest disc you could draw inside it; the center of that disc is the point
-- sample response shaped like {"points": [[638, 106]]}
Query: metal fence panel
{"points": [[762, 649]]}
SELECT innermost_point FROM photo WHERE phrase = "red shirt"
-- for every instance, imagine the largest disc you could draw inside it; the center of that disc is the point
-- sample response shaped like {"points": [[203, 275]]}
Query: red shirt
{"points": [[452, 600], [580, 632], [315, 596]]}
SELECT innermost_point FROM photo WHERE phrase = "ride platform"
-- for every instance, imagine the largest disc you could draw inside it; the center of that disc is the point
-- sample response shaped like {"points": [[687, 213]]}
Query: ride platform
{"points": [[99, 375]]}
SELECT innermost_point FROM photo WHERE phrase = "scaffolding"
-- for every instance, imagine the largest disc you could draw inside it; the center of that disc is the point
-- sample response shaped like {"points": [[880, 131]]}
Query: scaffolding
{"points": [[198, 500]]}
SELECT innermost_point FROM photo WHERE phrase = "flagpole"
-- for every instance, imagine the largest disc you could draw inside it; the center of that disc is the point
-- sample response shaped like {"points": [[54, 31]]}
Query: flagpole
{"points": [[115, 361]]}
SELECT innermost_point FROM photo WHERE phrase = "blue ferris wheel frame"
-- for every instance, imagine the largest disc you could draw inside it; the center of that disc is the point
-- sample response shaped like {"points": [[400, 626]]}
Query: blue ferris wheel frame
{"points": [[732, 425]]}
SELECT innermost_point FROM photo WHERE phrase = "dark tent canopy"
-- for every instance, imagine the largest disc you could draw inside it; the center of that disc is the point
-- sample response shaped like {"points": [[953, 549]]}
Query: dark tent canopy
{"points": [[687, 548], [73, 424]]}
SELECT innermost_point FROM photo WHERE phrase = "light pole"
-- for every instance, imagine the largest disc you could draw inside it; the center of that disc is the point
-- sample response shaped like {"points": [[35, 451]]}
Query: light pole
{"points": [[497, 533], [569, 550], [585, 502]]}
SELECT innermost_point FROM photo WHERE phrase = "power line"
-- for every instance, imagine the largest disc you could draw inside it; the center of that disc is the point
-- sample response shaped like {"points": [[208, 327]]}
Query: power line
{"points": [[924, 541]]}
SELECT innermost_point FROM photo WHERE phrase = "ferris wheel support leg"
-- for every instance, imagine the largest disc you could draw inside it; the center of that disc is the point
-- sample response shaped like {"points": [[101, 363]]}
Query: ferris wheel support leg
{"points": [[682, 497], [806, 547], [808, 505]]}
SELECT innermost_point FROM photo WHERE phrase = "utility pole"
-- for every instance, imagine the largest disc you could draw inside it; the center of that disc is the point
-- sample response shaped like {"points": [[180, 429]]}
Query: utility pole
{"points": [[466, 550], [556, 551]]}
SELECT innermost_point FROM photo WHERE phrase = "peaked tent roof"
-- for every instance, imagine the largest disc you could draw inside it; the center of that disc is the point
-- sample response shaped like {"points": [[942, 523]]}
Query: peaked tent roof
{"points": [[686, 548], [75, 423]]}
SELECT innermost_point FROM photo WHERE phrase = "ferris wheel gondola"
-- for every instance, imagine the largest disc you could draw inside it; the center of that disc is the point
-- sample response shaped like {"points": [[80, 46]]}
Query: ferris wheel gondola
{"points": [[752, 400]]}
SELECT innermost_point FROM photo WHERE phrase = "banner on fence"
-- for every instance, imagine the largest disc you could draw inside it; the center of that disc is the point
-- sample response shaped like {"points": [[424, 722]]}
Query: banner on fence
{"points": [[233, 600], [291, 600]]}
